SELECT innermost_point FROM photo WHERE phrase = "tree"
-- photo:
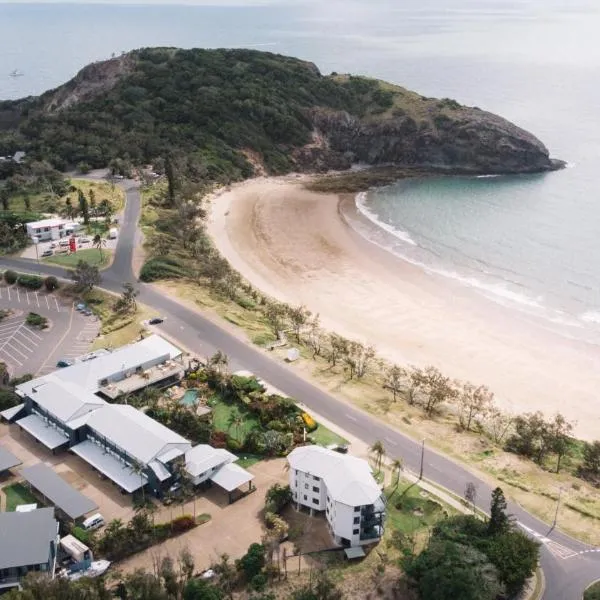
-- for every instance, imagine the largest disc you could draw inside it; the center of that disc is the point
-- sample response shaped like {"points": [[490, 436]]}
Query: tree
{"points": [[219, 361], [85, 277], [438, 388], [83, 207], [378, 449], [27, 201], [235, 421], [560, 441], [474, 402], [253, 562], [198, 589], [277, 498], [471, 494], [69, 208], [397, 467], [498, 424], [98, 242], [393, 380], [590, 466], [357, 357], [337, 347], [324, 588], [51, 283], [275, 314], [316, 337], [499, 521], [446, 570], [127, 301], [171, 181], [416, 378], [299, 317], [5, 198]]}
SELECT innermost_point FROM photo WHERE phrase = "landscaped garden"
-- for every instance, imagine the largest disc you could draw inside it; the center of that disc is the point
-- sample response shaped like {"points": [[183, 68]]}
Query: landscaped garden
{"points": [[92, 256]]}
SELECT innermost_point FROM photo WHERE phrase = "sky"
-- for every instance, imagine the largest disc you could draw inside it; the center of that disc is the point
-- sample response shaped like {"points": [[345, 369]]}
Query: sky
{"points": [[161, 2]]}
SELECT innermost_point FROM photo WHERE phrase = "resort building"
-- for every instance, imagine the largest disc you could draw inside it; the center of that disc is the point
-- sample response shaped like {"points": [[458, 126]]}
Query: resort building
{"points": [[29, 542], [343, 488], [50, 229], [67, 410]]}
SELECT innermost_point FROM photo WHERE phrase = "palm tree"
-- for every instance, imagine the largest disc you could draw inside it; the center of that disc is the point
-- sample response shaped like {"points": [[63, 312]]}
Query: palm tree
{"points": [[379, 450], [98, 242], [219, 359], [397, 467], [236, 421]]}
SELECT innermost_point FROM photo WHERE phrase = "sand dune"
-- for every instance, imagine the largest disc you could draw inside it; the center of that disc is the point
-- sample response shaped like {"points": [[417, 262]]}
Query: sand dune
{"points": [[296, 246]]}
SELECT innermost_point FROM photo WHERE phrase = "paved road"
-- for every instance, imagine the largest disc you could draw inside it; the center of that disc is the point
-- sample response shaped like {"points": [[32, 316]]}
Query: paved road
{"points": [[568, 564]]}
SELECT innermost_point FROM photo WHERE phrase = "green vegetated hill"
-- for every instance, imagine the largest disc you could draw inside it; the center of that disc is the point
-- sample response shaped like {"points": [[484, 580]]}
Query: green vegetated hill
{"points": [[232, 112]]}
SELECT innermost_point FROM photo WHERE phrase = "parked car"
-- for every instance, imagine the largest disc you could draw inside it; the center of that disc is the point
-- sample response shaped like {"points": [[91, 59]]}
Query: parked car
{"points": [[47, 253], [64, 243], [155, 321], [94, 522], [84, 240], [53, 245], [341, 448], [65, 362]]}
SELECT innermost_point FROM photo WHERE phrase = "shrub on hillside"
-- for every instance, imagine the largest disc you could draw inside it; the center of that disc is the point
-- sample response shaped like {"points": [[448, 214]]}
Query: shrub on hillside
{"points": [[51, 283], [32, 282], [35, 320], [10, 277], [163, 267]]}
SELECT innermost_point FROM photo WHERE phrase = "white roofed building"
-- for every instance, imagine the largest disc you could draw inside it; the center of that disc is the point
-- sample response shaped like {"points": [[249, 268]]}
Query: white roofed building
{"points": [[50, 229], [343, 488]]}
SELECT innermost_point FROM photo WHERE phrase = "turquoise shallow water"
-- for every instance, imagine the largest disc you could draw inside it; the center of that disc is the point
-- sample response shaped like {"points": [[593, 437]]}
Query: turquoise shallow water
{"points": [[529, 242]]}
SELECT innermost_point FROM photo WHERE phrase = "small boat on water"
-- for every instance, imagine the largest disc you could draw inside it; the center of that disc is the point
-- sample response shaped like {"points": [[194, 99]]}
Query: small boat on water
{"points": [[16, 73]]}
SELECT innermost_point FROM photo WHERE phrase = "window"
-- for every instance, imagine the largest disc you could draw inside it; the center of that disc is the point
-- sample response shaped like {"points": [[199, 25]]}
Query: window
{"points": [[315, 501], [305, 497], [355, 531], [356, 508], [306, 486], [356, 520], [295, 484], [316, 478], [315, 488]]}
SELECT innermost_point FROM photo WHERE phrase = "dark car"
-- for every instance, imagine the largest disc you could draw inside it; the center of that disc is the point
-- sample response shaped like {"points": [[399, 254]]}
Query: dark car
{"points": [[155, 321], [64, 362]]}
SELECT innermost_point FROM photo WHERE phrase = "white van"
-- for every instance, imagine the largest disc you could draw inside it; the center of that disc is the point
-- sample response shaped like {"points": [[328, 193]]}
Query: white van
{"points": [[94, 522], [112, 234]]}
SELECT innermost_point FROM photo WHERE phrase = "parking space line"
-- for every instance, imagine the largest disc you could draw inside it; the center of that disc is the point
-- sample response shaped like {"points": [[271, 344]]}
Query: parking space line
{"points": [[7, 326], [21, 344], [38, 299], [27, 293], [8, 290], [12, 358], [57, 307], [47, 303], [35, 335], [9, 344]]}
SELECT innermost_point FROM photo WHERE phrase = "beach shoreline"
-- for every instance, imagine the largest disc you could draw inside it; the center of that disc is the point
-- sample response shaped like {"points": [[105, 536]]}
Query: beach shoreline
{"points": [[297, 246]]}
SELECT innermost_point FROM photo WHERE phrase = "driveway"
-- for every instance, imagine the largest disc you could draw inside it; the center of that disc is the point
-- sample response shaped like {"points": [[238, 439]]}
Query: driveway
{"points": [[29, 350]]}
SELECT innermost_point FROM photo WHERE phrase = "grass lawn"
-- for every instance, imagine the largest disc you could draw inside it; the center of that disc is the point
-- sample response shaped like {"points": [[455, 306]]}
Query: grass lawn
{"points": [[593, 592], [89, 255], [325, 437], [221, 413], [409, 509], [247, 460], [17, 494]]}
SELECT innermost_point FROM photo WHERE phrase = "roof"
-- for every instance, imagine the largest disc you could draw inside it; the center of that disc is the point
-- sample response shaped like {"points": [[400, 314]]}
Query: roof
{"points": [[49, 436], [46, 223], [348, 479], [355, 552], [134, 432], [87, 375], [26, 537], [73, 503], [7, 459], [123, 475], [63, 399], [10, 413], [203, 457], [231, 476]]}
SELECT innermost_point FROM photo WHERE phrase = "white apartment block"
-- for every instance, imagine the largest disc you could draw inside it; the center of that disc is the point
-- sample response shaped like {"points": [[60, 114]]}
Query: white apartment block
{"points": [[343, 488]]}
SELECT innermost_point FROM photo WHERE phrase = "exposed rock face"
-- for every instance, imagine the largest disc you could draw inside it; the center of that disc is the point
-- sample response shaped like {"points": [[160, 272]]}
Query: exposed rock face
{"points": [[465, 140]]}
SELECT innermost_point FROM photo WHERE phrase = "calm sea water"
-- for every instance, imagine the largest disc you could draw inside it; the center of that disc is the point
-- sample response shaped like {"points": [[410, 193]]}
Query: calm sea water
{"points": [[532, 242]]}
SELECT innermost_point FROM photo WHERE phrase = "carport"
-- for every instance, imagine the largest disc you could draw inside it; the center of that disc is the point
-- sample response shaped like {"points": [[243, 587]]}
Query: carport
{"points": [[42, 431], [55, 489], [11, 413], [7, 460], [110, 466], [230, 477]]}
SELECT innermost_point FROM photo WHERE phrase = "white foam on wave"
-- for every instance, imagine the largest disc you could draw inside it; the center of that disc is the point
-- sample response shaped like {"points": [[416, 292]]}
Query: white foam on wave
{"points": [[363, 209], [486, 176]]}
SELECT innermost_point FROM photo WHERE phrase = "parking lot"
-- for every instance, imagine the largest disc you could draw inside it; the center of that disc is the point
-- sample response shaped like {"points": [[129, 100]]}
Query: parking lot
{"points": [[55, 248], [26, 349]]}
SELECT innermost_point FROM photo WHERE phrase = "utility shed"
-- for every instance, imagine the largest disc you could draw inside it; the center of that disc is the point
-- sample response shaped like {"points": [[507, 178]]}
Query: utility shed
{"points": [[50, 485]]}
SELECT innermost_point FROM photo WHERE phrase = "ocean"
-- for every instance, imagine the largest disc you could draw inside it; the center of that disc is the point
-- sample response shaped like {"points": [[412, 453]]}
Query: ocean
{"points": [[530, 242]]}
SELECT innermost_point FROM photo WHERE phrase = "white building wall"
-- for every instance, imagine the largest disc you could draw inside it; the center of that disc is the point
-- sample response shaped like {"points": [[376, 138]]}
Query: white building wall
{"points": [[309, 491], [342, 522], [206, 474]]}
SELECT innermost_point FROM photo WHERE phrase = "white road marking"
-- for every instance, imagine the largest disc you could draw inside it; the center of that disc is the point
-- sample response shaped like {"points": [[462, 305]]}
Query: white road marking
{"points": [[29, 331], [18, 296], [21, 344], [27, 296], [390, 441], [554, 548], [47, 303], [12, 358], [8, 290], [57, 306], [351, 418], [15, 349]]}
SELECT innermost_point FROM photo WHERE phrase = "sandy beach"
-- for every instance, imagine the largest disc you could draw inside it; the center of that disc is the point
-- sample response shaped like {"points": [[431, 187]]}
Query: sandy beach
{"points": [[296, 245]]}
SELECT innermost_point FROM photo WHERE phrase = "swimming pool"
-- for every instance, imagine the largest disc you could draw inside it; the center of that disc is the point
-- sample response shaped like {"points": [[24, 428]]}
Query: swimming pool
{"points": [[190, 398]]}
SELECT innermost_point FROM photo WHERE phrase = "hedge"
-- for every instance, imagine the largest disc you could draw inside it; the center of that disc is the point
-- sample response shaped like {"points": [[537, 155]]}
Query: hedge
{"points": [[33, 282], [10, 277]]}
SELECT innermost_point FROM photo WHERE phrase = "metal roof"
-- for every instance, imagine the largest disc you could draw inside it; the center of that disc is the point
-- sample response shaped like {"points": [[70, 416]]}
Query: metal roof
{"points": [[8, 460], [26, 537], [49, 436], [10, 413], [123, 475], [348, 479], [231, 476], [135, 433], [355, 552], [73, 503], [88, 375], [203, 457]]}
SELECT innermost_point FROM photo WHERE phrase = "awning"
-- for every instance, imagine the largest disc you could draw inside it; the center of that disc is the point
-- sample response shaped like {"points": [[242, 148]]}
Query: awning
{"points": [[64, 496], [159, 470], [355, 552], [7, 460], [49, 436], [170, 454], [10, 413], [122, 474], [230, 477]]}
